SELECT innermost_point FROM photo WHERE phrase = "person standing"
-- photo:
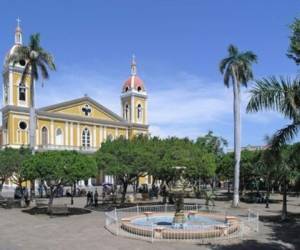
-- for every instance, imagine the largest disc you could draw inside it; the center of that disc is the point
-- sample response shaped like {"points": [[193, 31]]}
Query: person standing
{"points": [[88, 198], [92, 199], [96, 198]]}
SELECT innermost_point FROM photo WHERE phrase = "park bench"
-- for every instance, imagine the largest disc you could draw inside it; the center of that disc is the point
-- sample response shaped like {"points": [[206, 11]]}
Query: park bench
{"points": [[41, 203], [59, 209], [9, 203], [3, 202]]}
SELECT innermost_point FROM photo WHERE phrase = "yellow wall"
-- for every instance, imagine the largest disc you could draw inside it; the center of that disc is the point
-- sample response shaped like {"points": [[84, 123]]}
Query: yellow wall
{"points": [[16, 139], [77, 110], [122, 132], [110, 132]]}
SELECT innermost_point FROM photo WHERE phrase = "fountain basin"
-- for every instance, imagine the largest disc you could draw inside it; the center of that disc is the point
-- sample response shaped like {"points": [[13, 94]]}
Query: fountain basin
{"points": [[199, 225]]}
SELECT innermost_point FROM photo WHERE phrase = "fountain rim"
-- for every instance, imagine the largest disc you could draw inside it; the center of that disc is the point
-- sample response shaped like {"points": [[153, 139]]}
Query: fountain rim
{"points": [[215, 229]]}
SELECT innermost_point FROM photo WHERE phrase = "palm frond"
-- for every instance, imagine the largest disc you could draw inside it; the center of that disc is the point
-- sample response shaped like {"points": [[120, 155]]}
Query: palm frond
{"points": [[232, 50], [237, 66], [278, 94], [43, 69], [48, 59], [223, 64], [249, 56], [227, 77], [25, 73], [284, 135], [34, 42]]}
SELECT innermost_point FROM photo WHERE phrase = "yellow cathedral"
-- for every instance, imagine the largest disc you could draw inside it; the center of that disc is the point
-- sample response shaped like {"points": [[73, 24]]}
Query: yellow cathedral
{"points": [[80, 124]]}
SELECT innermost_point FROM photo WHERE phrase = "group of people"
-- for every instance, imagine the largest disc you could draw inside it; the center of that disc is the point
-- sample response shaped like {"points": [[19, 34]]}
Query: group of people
{"points": [[92, 198]]}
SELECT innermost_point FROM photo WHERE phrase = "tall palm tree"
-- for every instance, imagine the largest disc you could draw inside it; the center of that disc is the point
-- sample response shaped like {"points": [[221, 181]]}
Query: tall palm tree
{"points": [[237, 69], [38, 61], [281, 95]]}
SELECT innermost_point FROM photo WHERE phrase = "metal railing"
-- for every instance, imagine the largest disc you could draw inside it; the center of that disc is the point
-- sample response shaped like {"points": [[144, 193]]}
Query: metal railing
{"points": [[66, 147], [246, 223]]}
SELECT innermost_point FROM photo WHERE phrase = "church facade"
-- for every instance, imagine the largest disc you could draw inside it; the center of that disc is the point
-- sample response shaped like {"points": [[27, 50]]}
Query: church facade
{"points": [[80, 124]]}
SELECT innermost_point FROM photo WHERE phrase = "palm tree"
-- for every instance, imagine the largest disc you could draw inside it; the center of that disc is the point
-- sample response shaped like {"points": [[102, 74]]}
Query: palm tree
{"points": [[281, 95], [237, 68], [38, 61]]}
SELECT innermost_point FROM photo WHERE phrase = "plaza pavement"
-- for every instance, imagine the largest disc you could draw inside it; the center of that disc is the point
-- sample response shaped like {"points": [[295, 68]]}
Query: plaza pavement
{"points": [[21, 231]]}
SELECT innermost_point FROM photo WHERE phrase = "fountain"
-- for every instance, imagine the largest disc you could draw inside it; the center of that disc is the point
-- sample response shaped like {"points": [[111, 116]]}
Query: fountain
{"points": [[188, 222], [177, 192]]}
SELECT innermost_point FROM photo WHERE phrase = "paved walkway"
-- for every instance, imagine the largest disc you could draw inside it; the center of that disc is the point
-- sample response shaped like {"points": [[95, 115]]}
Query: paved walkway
{"points": [[21, 231]]}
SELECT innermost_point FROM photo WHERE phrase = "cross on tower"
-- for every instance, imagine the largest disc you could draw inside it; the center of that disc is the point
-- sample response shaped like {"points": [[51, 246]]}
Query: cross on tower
{"points": [[18, 21], [86, 109]]}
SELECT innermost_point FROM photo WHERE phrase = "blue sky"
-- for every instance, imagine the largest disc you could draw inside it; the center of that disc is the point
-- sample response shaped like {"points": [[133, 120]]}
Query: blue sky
{"points": [[178, 45]]}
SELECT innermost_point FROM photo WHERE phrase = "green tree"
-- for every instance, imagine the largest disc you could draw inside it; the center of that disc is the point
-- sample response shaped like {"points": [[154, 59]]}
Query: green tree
{"points": [[201, 167], [212, 143], [294, 47], [125, 159], [38, 61], [225, 168], [57, 168], [281, 95], [8, 165], [249, 174], [20, 156], [237, 68], [288, 171]]}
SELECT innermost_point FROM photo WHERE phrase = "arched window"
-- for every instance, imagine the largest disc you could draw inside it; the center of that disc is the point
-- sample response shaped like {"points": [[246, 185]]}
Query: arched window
{"points": [[139, 88], [22, 92], [59, 137], [86, 140], [139, 112], [5, 93], [126, 112], [44, 136]]}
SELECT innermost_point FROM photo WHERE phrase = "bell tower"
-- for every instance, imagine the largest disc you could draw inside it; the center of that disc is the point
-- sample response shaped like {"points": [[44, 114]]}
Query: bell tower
{"points": [[134, 98], [16, 96], [15, 92]]}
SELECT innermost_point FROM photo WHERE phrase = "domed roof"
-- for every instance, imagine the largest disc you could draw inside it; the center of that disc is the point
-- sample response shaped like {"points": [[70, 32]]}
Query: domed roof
{"points": [[18, 41], [10, 52], [133, 82], [137, 84]]}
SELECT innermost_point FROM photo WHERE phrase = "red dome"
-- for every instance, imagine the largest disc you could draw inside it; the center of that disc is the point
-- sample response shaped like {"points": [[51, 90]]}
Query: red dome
{"points": [[138, 84]]}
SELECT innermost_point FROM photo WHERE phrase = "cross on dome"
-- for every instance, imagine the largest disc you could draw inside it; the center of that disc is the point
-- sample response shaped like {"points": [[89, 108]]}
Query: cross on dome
{"points": [[18, 22], [18, 33], [133, 66]]}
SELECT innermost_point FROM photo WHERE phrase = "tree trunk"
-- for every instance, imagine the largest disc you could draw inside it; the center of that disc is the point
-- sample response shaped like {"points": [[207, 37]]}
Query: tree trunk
{"points": [[137, 183], [284, 201], [124, 191], [268, 194], [32, 123], [228, 187], [237, 139], [50, 203], [74, 189], [244, 187], [32, 189]]}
